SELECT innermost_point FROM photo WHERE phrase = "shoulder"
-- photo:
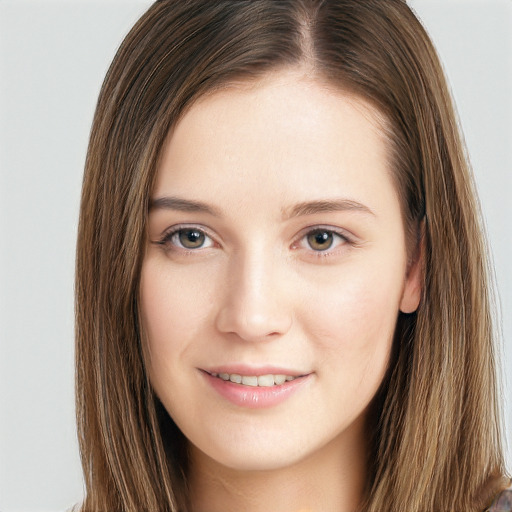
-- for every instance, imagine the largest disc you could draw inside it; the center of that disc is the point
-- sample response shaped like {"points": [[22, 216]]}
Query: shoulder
{"points": [[503, 502]]}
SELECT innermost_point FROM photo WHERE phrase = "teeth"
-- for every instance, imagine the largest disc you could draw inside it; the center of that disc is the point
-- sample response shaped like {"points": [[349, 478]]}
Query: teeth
{"points": [[280, 379], [252, 380], [266, 380], [249, 381]]}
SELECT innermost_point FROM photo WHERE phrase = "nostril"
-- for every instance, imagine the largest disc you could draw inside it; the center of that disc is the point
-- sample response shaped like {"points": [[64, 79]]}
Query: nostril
{"points": [[253, 307]]}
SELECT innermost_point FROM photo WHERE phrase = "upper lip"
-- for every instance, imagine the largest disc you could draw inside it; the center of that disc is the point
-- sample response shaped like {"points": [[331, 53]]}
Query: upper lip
{"points": [[242, 369]]}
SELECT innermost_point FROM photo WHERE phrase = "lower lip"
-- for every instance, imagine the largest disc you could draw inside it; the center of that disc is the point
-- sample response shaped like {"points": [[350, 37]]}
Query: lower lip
{"points": [[255, 397]]}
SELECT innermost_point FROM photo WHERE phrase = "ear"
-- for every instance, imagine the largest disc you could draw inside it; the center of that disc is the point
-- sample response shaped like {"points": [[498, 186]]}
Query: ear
{"points": [[414, 279]]}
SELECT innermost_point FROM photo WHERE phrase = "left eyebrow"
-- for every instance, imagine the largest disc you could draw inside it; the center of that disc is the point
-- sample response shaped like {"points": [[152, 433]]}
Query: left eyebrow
{"points": [[325, 206]]}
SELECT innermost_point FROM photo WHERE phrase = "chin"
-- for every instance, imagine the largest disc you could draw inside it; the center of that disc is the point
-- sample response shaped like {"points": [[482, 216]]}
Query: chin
{"points": [[251, 452], [272, 449], [254, 460]]}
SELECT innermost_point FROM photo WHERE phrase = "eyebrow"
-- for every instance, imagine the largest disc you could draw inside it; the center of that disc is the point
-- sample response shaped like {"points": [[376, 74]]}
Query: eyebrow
{"points": [[326, 206], [183, 205], [300, 209]]}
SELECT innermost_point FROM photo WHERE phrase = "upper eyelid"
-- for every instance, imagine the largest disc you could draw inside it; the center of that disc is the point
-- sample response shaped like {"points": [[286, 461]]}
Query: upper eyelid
{"points": [[172, 230], [319, 227]]}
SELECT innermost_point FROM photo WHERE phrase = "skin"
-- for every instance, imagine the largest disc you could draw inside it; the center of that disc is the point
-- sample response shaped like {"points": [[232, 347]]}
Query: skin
{"points": [[258, 292]]}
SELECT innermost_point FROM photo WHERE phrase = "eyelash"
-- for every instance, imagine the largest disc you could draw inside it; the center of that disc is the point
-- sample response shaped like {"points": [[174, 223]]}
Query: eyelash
{"points": [[343, 239], [167, 239]]}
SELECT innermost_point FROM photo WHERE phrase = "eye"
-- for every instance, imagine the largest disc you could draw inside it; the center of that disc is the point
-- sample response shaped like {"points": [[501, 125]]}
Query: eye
{"points": [[321, 240], [187, 238]]}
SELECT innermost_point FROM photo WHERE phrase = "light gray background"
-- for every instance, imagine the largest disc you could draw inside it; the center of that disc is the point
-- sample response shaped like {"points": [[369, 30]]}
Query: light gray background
{"points": [[53, 56]]}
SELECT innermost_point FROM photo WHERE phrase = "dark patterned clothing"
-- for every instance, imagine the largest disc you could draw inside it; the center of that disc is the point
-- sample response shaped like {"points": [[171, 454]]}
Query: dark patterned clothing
{"points": [[503, 502]]}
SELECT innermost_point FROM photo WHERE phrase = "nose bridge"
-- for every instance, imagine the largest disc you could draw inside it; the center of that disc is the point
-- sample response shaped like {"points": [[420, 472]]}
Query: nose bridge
{"points": [[254, 305]]}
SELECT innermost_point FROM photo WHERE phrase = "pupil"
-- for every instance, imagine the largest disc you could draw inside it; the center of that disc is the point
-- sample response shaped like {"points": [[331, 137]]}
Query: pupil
{"points": [[191, 239], [320, 240]]}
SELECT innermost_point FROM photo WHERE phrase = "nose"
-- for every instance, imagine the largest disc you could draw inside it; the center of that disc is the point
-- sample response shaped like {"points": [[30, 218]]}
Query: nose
{"points": [[255, 304]]}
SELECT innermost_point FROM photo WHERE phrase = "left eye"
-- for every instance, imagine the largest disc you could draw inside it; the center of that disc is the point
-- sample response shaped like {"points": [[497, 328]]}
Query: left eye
{"points": [[190, 238], [322, 239]]}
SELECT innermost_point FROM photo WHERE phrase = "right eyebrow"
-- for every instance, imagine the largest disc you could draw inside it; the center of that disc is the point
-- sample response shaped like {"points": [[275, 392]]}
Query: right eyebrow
{"points": [[182, 205]]}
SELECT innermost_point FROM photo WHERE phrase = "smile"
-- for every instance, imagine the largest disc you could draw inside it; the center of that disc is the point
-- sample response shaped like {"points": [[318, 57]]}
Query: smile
{"points": [[256, 391], [255, 381]]}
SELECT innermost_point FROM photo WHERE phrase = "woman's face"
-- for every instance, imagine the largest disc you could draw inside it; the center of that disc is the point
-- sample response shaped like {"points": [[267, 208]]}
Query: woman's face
{"points": [[275, 270]]}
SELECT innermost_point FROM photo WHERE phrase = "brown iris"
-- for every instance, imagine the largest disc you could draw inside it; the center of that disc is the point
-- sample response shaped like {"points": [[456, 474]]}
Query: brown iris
{"points": [[191, 238], [320, 240]]}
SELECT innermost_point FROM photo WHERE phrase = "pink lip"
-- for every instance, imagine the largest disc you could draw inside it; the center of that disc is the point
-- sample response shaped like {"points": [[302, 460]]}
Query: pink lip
{"points": [[255, 397]]}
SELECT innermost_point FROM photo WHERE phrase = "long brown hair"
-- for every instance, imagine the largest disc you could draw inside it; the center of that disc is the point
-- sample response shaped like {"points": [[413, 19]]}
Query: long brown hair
{"points": [[435, 431]]}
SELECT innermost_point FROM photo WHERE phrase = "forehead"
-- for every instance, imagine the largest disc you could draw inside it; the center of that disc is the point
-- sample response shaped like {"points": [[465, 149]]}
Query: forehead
{"points": [[284, 132]]}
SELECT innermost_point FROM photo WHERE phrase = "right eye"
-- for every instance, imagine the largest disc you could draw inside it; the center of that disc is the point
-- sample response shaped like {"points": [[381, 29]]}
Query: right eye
{"points": [[188, 239]]}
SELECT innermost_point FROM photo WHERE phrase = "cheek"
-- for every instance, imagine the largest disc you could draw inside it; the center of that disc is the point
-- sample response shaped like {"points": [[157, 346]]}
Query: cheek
{"points": [[365, 303], [175, 307], [352, 321]]}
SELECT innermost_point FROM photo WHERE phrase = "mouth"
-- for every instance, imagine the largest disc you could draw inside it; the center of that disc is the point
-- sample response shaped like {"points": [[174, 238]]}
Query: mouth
{"points": [[255, 388], [263, 381]]}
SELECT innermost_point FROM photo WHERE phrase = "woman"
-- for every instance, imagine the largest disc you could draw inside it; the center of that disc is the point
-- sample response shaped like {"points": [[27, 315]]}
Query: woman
{"points": [[281, 294]]}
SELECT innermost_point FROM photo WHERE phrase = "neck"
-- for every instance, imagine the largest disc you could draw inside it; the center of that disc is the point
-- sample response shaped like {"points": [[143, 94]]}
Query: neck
{"points": [[331, 479]]}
